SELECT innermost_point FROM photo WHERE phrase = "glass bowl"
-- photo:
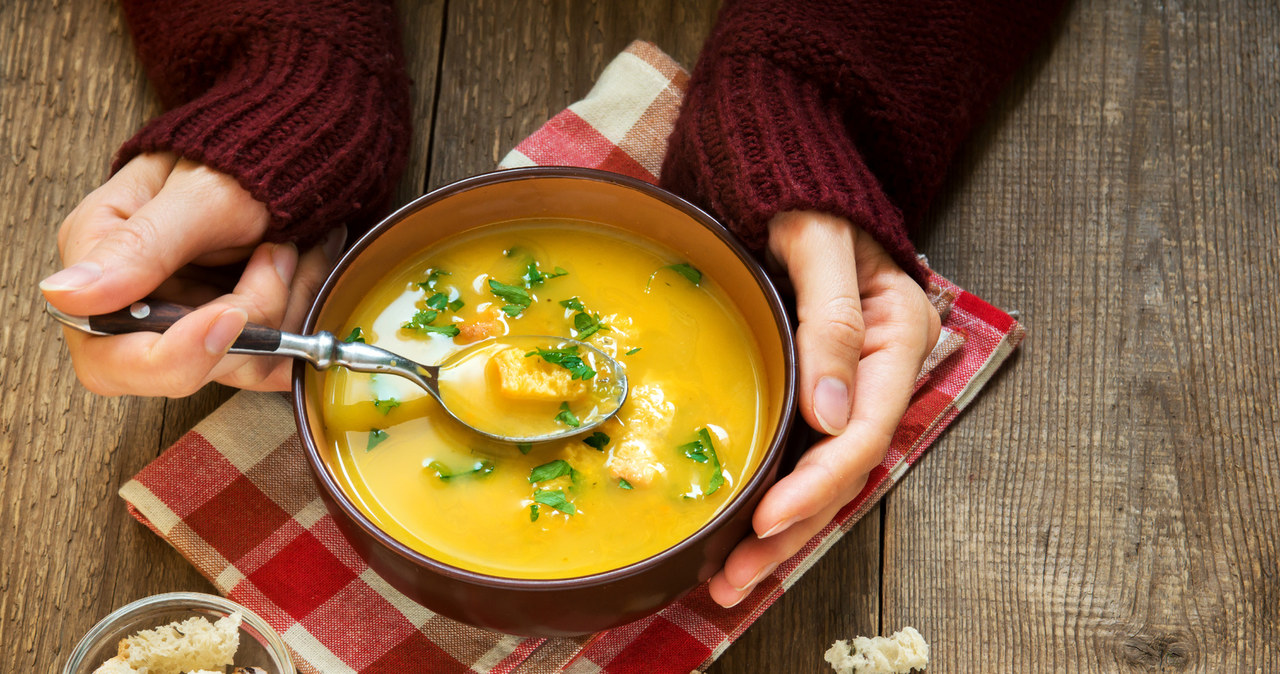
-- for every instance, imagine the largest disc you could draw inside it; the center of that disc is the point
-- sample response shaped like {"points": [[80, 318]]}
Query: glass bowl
{"points": [[260, 646]]}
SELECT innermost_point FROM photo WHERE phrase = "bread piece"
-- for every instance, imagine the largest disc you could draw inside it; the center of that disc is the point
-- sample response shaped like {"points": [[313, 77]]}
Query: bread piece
{"points": [[249, 670], [640, 428], [532, 378], [898, 653], [115, 665], [183, 647]]}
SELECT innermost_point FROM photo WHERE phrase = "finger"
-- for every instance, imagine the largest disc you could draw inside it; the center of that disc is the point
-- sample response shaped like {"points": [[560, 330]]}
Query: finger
{"points": [[313, 267], [818, 251], [136, 183], [833, 470], [175, 364], [755, 558], [263, 294], [114, 263]]}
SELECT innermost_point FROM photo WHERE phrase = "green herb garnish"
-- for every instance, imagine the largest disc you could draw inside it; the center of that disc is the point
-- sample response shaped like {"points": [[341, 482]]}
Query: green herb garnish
{"points": [[438, 301], [432, 278], [385, 405], [457, 304], [533, 512], [376, 436], [596, 441], [566, 417], [632, 352], [684, 269], [517, 298], [624, 484], [587, 324], [535, 277], [421, 322], [357, 335], [524, 447], [566, 358], [444, 473], [573, 303], [703, 451], [556, 499], [550, 471]]}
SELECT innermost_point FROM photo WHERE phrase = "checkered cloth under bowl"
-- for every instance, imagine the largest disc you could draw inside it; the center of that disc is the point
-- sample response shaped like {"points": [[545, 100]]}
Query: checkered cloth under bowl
{"points": [[234, 495]]}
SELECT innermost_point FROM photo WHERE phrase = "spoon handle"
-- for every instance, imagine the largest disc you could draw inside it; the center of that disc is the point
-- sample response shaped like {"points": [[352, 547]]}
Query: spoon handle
{"points": [[157, 316]]}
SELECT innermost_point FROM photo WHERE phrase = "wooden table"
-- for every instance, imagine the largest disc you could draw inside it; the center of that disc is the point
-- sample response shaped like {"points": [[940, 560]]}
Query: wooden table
{"points": [[1110, 503]]}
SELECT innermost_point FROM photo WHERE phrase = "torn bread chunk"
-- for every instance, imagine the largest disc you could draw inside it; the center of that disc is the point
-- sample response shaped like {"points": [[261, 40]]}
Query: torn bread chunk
{"points": [[645, 421], [191, 645], [115, 665], [532, 378], [898, 653]]}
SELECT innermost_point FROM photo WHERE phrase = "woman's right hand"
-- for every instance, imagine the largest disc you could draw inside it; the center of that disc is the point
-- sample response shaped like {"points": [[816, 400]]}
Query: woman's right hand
{"points": [[154, 229]]}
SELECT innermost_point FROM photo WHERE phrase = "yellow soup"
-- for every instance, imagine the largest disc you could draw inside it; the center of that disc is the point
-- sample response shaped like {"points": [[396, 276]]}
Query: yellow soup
{"points": [[690, 433]]}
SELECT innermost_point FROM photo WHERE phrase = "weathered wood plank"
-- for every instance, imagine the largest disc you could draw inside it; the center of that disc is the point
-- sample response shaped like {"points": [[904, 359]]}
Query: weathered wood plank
{"points": [[1111, 503], [71, 93]]}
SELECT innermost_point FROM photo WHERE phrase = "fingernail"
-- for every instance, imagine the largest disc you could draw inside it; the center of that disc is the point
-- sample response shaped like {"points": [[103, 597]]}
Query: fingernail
{"points": [[285, 258], [738, 600], [224, 331], [746, 589], [76, 277], [779, 527], [831, 405], [332, 245]]}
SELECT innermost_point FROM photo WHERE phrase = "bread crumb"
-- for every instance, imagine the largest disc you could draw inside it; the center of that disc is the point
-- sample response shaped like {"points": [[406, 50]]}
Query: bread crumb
{"points": [[192, 646], [901, 652], [524, 378]]}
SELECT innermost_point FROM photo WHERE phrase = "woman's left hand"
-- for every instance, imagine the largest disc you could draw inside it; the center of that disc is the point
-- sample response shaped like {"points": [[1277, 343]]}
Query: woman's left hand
{"points": [[865, 330]]}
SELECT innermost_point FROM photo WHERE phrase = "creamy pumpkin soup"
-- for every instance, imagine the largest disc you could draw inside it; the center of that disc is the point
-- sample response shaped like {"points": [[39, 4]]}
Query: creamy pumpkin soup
{"points": [[688, 436]]}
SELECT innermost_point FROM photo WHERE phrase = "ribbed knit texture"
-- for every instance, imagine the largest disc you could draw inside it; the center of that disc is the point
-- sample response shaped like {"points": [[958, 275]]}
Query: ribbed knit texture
{"points": [[304, 102], [852, 108]]}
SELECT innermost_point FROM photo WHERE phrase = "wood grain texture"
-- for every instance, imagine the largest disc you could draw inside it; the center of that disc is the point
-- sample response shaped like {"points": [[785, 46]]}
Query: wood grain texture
{"points": [[1111, 503]]}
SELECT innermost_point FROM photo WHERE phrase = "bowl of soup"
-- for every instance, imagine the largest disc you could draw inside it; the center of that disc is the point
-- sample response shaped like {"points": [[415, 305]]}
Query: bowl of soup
{"points": [[583, 533]]}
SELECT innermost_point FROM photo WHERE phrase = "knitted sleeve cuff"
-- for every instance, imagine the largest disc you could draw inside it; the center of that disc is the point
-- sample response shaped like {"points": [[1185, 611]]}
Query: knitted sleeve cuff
{"points": [[304, 125], [754, 141]]}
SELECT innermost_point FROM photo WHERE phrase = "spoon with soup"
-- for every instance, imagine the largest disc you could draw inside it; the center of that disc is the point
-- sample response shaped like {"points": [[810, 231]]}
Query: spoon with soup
{"points": [[514, 389]]}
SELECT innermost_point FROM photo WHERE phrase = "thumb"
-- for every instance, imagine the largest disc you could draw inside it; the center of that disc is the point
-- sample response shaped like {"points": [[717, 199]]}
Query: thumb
{"points": [[818, 252], [118, 261]]}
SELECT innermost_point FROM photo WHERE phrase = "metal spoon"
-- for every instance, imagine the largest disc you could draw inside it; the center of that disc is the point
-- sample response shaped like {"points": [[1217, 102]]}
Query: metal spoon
{"points": [[323, 350]]}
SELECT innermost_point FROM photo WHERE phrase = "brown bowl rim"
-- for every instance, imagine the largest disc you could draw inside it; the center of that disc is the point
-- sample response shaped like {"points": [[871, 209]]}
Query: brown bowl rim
{"points": [[772, 455]]}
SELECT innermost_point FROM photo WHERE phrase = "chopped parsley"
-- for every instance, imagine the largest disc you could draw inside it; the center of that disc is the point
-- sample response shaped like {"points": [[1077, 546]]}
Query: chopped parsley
{"points": [[432, 278], [517, 298], [421, 322], [443, 472], [357, 335], [587, 324], [556, 499], [703, 451], [566, 417], [596, 441], [684, 269], [438, 301], [524, 447], [457, 304], [624, 484], [376, 436], [566, 358], [550, 471], [536, 277], [533, 512], [632, 352], [385, 405]]}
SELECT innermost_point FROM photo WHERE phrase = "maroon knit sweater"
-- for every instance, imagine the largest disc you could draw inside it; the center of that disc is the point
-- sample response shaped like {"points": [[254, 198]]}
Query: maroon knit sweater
{"points": [[305, 102], [854, 108]]}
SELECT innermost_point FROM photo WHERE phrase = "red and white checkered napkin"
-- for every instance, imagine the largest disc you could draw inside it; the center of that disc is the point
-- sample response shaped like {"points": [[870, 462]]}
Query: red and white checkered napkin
{"points": [[234, 495]]}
